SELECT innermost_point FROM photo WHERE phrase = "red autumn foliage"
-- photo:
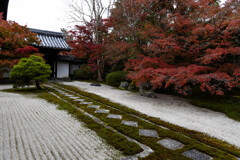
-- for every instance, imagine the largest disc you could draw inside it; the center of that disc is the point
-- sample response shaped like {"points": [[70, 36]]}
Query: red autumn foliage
{"points": [[171, 43], [85, 44], [180, 43], [82, 42], [15, 43]]}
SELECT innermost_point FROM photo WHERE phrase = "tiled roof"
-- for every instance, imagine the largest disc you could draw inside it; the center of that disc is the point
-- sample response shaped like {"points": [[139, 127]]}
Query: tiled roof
{"points": [[52, 40]]}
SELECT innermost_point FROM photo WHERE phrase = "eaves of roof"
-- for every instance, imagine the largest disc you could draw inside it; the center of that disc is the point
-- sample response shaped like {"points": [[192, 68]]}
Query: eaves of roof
{"points": [[51, 40]]}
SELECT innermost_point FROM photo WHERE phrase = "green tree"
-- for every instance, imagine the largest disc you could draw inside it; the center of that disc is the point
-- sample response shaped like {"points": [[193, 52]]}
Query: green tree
{"points": [[30, 70]]}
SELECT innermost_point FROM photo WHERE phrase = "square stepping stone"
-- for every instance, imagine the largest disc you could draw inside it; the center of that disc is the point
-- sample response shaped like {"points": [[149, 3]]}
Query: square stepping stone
{"points": [[74, 97], [114, 116], [130, 123], [148, 133], [87, 103], [79, 100], [94, 106], [171, 143], [196, 155], [101, 111], [68, 95]]}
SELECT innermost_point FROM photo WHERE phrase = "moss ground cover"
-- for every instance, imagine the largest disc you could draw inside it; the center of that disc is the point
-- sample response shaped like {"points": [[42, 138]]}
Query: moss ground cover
{"points": [[28, 90], [118, 141], [213, 147], [227, 104]]}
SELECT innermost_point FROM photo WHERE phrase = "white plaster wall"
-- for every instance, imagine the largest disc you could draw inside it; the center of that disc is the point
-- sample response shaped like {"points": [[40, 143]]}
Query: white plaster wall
{"points": [[62, 69], [73, 67]]}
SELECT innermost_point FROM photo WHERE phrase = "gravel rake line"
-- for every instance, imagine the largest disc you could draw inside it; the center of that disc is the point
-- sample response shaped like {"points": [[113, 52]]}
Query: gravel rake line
{"points": [[46, 147], [1, 133], [24, 150], [34, 147], [68, 131], [33, 130], [6, 147], [37, 146], [18, 139], [91, 143], [10, 123], [4, 124], [13, 143], [49, 145], [58, 137]]}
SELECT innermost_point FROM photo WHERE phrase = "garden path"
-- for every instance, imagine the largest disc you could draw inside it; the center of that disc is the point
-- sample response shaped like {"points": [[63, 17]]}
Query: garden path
{"points": [[173, 110]]}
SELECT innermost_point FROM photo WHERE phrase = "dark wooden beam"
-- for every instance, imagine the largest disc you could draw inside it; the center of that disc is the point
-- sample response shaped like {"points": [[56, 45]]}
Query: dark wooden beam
{"points": [[4, 8]]}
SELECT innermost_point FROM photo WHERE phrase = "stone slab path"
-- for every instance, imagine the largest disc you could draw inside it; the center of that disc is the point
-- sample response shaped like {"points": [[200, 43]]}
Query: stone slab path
{"points": [[173, 110], [171, 143], [166, 142], [32, 128], [196, 155]]}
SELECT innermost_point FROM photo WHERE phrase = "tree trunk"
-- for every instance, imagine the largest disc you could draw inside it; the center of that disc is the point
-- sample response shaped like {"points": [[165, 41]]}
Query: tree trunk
{"points": [[99, 70], [100, 65], [38, 85]]}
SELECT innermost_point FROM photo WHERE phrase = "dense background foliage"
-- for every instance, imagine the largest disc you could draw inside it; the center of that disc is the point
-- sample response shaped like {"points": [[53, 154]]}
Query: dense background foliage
{"points": [[170, 43], [15, 43]]}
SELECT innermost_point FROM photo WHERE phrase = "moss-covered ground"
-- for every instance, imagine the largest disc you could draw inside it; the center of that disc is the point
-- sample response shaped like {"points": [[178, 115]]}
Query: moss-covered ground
{"points": [[191, 139]]}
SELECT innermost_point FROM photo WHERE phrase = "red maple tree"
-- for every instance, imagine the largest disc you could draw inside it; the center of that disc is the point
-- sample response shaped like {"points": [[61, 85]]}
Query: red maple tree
{"points": [[86, 46], [15, 43], [170, 43], [180, 44]]}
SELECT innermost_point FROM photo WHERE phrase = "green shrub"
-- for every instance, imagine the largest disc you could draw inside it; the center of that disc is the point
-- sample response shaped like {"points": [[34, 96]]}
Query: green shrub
{"points": [[115, 78], [84, 73], [30, 70]]}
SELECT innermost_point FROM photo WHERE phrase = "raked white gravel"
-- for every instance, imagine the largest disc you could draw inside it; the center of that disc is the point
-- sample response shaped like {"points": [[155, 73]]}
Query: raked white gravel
{"points": [[31, 128], [5, 86], [173, 110]]}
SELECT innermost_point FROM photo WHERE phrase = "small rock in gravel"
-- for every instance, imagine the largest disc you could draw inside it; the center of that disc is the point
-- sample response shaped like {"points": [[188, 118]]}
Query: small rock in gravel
{"points": [[124, 85], [96, 84]]}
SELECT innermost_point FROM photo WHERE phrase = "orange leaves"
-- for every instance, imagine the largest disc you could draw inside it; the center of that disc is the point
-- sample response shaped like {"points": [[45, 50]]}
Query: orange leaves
{"points": [[219, 55], [200, 38], [15, 41], [215, 83]]}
